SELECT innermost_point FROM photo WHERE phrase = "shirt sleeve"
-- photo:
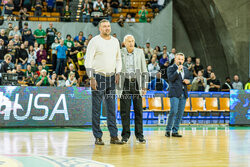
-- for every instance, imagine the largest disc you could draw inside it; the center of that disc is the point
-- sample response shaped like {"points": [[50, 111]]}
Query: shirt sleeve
{"points": [[118, 59], [90, 55]]}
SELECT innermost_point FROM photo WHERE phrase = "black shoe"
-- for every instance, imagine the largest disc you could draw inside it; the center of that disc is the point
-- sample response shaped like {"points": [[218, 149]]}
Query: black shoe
{"points": [[176, 135], [167, 134], [141, 140], [115, 140], [124, 140], [99, 141]]}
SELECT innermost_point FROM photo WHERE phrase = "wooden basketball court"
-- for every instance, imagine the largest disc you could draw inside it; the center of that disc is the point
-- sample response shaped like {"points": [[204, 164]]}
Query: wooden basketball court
{"points": [[200, 146]]}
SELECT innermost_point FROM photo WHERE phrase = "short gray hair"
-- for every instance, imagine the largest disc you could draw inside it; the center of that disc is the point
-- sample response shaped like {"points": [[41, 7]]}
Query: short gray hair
{"points": [[126, 36]]}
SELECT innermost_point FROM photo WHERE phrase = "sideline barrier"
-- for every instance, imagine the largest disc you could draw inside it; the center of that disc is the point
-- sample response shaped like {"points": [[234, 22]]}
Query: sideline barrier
{"points": [[44, 106]]}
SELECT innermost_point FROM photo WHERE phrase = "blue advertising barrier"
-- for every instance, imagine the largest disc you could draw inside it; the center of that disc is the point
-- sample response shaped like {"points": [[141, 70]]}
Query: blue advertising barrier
{"points": [[44, 106]]}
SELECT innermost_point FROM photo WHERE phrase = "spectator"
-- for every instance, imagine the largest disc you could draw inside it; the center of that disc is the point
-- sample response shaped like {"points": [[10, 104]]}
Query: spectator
{"points": [[40, 35], [15, 32], [59, 36], [164, 59], [90, 36], [5, 67], [16, 41], [207, 72], [129, 19], [67, 14], [39, 71], [86, 11], [68, 43], [4, 37], [80, 41], [34, 69], [41, 54], [29, 75], [74, 51], [214, 84], [10, 28], [27, 4], [143, 13], [23, 57], [98, 7], [227, 86], [158, 84], [28, 36], [43, 79], [26, 45], [44, 65], [153, 68], [59, 6], [80, 57], [157, 5], [247, 85], [121, 21], [54, 79], [190, 66], [164, 70], [38, 8], [20, 73], [71, 69], [3, 50], [50, 5], [51, 34], [108, 12], [197, 67], [25, 29], [17, 4], [80, 34], [61, 58], [23, 14], [237, 84], [172, 56], [54, 56], [12, 50], [148, 51], [126, 4], [115, 5], [36, 47], [9, 7], [157, 51], [72, 81], [199, 83]]}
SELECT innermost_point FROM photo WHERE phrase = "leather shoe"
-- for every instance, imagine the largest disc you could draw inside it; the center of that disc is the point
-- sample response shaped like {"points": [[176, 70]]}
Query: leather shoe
{"points": [[99, 141], [124, 140], [176, 135], [141, 140], [167, 134], [115, 140]]}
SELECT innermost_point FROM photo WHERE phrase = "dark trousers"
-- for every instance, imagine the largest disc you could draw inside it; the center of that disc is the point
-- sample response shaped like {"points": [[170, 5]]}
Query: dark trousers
{"points": [[130, 90], [106, 90], [60, 66]]}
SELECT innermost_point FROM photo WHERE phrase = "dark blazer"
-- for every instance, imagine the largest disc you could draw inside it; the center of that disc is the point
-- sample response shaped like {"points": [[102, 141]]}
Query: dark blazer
{"points": [[175, 81]]}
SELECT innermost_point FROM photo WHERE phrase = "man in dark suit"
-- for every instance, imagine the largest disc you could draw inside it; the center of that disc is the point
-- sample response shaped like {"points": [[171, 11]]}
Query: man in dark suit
{"points": [[178, 80]]}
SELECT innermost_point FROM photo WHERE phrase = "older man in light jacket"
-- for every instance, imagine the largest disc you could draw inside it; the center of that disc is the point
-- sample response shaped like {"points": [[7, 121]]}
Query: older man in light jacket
{"points": [[133, 84]]}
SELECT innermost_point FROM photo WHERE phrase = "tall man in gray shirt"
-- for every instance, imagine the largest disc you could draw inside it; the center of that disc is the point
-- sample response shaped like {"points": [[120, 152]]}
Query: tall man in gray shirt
{"points": [[103, 65]]}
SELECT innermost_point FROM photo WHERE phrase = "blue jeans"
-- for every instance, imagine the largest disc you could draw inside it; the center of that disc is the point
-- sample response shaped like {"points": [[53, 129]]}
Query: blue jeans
{"points": [[86, 17], [106, 90], [176, 112], [60, 66]]}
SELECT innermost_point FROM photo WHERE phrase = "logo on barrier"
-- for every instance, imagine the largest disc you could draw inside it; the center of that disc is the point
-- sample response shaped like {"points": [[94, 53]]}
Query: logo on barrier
{"points": [[7, 106]]}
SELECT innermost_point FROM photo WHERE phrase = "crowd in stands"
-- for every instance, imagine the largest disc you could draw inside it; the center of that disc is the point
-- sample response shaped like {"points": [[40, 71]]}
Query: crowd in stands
{"points": [[96, 9], [43, 57]]}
